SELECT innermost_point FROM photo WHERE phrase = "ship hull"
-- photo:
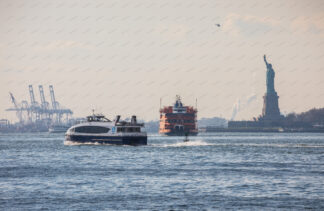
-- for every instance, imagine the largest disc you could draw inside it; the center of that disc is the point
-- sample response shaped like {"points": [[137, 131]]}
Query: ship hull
{"points": [[180, 133], [116, 140]]}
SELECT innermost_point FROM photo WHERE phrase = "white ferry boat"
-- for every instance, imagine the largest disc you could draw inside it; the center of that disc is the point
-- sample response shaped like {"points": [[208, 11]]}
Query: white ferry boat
{"points": [[99, 129]]}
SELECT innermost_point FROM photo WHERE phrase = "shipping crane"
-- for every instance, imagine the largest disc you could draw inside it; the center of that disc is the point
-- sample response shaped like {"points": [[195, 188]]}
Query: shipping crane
{"points": [[42, 96], [34, 105], [17, 109], [32, 96], [56, 108], [55, 104], [40, 115]]}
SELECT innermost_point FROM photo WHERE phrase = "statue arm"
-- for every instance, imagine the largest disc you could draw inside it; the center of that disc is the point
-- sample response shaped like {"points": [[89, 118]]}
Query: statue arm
{"points": [[265, 60]]}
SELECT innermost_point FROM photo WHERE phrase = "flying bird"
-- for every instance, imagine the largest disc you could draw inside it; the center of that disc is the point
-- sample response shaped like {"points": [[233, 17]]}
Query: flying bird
{"points": [[218, 25]]}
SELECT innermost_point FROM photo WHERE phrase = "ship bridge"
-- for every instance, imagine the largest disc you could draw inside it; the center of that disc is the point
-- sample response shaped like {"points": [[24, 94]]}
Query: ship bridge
{"points": [[178, 106]]}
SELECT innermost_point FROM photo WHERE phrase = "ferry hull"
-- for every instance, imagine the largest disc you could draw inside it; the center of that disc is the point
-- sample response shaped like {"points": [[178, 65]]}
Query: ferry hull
{"points": [[180, 133], [135, 141]]}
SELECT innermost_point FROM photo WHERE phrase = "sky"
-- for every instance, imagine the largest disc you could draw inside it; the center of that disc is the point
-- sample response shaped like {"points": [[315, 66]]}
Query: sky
{"points": [[121, 57]]}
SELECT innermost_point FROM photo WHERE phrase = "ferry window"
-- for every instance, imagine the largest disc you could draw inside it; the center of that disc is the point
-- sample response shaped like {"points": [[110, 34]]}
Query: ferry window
{"points": [[120, 129], [91, 129], [128, 129]]}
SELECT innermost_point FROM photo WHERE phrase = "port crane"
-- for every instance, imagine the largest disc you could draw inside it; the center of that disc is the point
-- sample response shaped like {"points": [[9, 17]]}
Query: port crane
{"points": [[55, 104], [43, 112], [16, 107], [44, 103]]}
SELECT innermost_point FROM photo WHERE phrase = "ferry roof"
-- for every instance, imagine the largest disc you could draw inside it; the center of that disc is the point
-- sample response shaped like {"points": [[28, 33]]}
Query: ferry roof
{"points": [[97, 118]]}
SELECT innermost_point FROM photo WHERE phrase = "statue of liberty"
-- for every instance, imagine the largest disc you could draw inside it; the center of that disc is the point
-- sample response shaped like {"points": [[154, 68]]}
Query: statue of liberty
{"points": [[270, 76]]}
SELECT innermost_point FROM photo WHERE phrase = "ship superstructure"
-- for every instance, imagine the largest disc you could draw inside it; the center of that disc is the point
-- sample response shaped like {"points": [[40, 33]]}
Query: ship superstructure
{"points": [[178, 120]]}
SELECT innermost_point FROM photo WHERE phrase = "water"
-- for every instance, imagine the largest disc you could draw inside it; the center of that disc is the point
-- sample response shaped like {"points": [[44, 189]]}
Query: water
{"points": [[211, 171]]}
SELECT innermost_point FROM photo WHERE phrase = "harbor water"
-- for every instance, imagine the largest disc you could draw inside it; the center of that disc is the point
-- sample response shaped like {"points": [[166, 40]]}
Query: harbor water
{"points": [[212, 171]]}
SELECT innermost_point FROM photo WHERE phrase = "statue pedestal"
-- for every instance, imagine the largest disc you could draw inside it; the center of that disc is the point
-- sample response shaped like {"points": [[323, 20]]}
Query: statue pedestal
{"points": [[270, 109]]}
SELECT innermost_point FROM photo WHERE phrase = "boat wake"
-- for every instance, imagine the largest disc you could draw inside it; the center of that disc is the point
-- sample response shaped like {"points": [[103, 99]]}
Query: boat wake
{"points": [[276, 145], [186, 144], [72, 143], [203, 143]]}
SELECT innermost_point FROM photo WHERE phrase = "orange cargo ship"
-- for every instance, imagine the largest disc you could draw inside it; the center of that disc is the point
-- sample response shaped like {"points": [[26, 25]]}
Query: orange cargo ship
{"points": [[178, 120]]}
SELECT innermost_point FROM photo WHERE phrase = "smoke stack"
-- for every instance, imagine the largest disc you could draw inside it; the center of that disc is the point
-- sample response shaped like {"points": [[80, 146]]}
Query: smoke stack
{"points": [[133, 121], [117, 118]]}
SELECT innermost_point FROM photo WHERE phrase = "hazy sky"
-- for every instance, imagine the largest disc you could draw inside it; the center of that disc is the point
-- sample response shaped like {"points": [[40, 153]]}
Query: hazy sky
{"points": [[121, 57]]}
